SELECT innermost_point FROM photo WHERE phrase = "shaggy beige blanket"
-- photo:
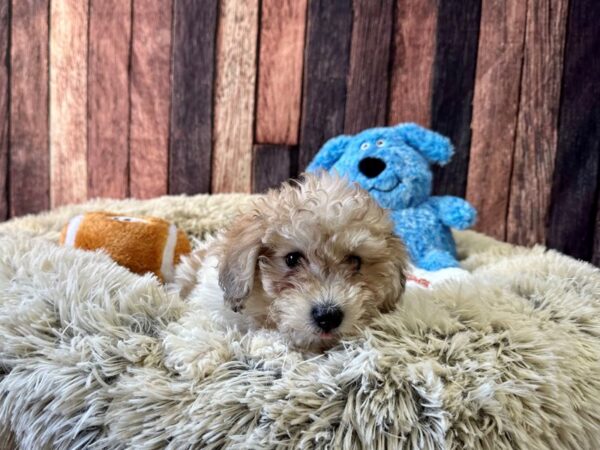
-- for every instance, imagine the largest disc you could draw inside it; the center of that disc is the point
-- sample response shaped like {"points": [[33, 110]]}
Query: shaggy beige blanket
{"points": [[93, 356]]}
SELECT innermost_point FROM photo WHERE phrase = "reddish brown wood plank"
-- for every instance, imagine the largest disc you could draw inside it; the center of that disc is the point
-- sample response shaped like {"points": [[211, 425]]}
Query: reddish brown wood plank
{"points": [[495, 108], [280, 71], [234, 96], [271, 165], [366, 103], [29, 159], [190, 153], [150, 98], [68, 101], [413, 54], [327, 57], [4, 110], [535, 146], [108, 98], [576, 181]]}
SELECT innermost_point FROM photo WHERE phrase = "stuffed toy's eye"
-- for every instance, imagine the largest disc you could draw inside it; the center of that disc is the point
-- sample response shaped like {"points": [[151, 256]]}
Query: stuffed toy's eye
{"points": [[355, 261], [293, 259], [364, 146], [380, 143]]}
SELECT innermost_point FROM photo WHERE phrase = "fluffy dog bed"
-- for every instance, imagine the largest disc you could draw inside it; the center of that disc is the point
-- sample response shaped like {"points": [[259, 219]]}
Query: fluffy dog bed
{"points": [[93, 356]]}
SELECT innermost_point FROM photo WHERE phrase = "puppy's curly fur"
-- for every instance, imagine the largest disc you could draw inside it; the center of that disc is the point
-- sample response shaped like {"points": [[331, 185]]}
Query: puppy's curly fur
{"points": [[316, 260]]}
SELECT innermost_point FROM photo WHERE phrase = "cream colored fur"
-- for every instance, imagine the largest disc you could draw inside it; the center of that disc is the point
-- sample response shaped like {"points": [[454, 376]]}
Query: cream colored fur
{"points": [[92, 356]]}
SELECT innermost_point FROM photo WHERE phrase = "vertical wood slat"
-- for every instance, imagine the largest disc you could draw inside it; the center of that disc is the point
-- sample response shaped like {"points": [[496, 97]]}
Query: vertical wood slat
{"points": [[108, 98], [453, 86], [234, 96], [367, 93], [413, 51], [29, 159], [4, 103], [495, 108], [150, 98], [68, 101], [271, 165], [537, 122], [596, 250], [577, 167], [326, 62], [193, 68], [282, 29]]}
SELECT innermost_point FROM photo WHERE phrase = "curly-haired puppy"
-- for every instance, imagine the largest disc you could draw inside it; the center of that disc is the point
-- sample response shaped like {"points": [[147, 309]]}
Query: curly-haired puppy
{"points": [[316, 260]]}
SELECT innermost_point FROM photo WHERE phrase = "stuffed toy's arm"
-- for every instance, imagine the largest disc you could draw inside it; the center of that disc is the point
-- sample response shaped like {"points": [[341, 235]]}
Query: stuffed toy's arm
{"points": [[333, 150], [454, 212]]}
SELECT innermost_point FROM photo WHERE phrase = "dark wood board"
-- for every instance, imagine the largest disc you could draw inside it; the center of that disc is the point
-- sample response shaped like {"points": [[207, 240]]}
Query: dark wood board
{"points": [[577, 167], [495, 108], [326, 63], [453, 87], [193, 67], [108, 98], [271, 165], [366, 102], [29, 187], [537, 122], [4, 105]]}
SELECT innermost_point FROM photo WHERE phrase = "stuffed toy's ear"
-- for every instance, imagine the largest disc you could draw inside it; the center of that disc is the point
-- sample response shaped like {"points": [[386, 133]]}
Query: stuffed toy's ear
{"points": [[433, 146], [333, 150]]}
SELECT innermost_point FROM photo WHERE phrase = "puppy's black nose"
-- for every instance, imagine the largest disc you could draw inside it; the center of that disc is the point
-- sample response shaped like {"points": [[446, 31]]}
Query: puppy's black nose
{"points": [[327, 317], [371, 167]]}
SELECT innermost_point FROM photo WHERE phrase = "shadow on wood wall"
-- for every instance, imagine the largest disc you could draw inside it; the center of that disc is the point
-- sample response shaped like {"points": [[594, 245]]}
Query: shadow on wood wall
{"points": [[147, 97]]}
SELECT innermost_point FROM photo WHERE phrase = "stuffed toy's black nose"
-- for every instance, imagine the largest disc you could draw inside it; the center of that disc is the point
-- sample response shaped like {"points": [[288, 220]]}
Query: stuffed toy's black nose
{"points": [[327, 317], [371, 167]]}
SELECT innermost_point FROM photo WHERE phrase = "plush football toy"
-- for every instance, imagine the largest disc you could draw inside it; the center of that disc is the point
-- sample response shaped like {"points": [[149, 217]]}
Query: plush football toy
{"points": [[393, 164], [142, 244]]}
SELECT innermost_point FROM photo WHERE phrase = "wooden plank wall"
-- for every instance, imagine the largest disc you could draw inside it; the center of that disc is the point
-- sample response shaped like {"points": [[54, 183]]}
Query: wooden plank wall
{"points": [[150, 97]]}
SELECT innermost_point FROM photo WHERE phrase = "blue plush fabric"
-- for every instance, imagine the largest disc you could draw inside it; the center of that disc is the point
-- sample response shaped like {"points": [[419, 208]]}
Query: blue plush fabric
{"points": [[393, 164]]}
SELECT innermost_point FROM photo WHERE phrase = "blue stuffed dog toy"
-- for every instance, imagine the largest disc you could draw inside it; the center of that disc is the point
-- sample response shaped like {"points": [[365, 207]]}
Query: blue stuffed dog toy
{"points": [[393, 164]]}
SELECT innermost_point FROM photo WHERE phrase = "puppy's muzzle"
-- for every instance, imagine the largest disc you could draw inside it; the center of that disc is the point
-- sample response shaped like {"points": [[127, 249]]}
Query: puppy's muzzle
{"points": [[327, 317]]}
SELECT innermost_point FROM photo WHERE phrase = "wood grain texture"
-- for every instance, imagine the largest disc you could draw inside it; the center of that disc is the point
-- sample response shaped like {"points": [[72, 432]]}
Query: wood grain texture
{"points": [[495, 107], [271, 165], [283, 24], [537, 123], [413, 52], [108, 98], [366, 103], [234, 96], [4, 105], [68, 101], [326, 63], [29, 160], [577, 168], [150, 98], [453, 86], [193, 67]]}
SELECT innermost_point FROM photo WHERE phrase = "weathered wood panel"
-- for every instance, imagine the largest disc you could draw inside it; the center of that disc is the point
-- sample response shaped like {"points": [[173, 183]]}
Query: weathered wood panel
{"points": [[68, 101], [326, 62], [413, 52], [495, 107], [108, 98], [271, 165], [150, 98], [535, 146], [194, 33], [577, 167], [283, 24], [4, 103], [29, 160], [366, 103], [453, 86]]}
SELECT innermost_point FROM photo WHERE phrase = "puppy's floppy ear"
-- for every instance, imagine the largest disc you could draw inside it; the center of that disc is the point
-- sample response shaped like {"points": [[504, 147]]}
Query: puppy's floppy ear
{"points": [[433, 146], [399, 266], [333, 150], [239, 255]]}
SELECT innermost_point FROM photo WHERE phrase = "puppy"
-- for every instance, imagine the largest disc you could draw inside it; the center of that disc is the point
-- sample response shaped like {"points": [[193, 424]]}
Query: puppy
{"points": [[316, 260]]}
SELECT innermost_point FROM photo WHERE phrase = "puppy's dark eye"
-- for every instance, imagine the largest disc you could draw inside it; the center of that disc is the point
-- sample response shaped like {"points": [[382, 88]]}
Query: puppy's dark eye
{"points": [[293, 259], [355, 261]]}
